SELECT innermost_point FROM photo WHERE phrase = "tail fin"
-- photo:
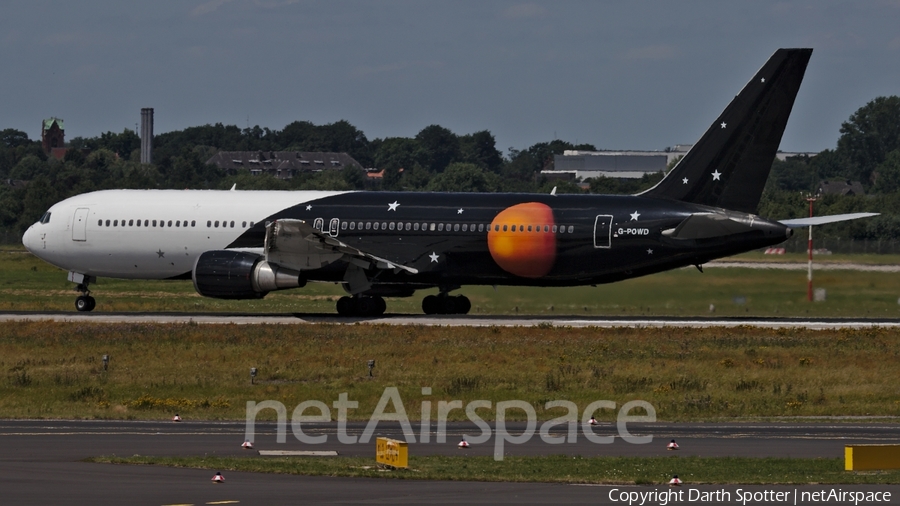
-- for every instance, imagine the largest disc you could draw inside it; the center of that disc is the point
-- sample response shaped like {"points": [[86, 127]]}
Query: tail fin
{"points": [[729, 165]]}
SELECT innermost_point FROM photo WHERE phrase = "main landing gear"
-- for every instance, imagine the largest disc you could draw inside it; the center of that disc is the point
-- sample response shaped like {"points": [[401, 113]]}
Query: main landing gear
{"points": [[361, 305], [84, 302], [446, 304]]}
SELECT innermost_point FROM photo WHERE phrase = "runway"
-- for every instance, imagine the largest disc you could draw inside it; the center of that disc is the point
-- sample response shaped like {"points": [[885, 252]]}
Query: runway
{"points": [[449, 321], [40, 462]]}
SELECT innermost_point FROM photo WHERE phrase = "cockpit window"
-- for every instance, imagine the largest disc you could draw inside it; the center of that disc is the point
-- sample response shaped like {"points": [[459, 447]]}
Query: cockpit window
{"points": [[46, 217]]}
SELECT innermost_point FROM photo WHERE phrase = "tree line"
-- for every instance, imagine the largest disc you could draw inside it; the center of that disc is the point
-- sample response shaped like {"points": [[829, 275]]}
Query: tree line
{"points": [[435, 159]]}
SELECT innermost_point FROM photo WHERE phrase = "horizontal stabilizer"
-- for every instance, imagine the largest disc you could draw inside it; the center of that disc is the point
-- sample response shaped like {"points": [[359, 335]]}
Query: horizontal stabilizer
{"points": [[821, 220], [705, 226]]}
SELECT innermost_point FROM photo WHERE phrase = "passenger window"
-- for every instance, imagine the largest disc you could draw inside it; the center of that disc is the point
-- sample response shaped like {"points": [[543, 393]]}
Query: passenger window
{"points": [[162, 223], [243, 224], [529, 228], [456, 227], [383, 226], [251, 224], [115, 223], [481, 227], [571, 228], [432, 227], [392, 225], [359, 225], [375, 226], [368, 225], [178, 223], [554, 229], [408, 226], [154, 223], [440, 227], [169, 224], [546, 228], [416, 226], [208, 223], [497, 228], [232, 224], [216, 224], [130, 223], [465, 228], [352, 225], [99, 223], [504, 228]]}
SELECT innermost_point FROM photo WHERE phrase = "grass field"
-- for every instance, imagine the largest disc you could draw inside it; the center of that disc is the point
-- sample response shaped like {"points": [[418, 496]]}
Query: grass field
{"points": [[54, 370], [27, 283], [551, 469]]}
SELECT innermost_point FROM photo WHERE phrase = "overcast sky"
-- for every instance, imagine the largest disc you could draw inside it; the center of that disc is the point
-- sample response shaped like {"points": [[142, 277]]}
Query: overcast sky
{"points": [[619, 75]]}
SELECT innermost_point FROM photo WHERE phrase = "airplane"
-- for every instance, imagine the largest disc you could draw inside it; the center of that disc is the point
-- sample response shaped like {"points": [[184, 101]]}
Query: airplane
{"points": [[245, 244]]}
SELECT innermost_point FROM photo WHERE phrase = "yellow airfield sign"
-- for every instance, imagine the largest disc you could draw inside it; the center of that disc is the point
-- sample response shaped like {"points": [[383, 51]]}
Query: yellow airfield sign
{"points": [[391, 452]]}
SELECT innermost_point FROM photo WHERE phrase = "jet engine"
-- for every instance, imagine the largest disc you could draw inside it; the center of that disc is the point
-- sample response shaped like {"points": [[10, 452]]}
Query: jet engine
{"points": [[240, 275]]}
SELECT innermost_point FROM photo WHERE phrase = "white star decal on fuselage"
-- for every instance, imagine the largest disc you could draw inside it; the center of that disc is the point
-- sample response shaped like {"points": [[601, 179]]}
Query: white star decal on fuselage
{"points": [[635, 215], [434, 257], [723, 125], [684, 181], [393, 206], [716, 175], [460, 211], [762, 80], [649, 251], [309, 208]]}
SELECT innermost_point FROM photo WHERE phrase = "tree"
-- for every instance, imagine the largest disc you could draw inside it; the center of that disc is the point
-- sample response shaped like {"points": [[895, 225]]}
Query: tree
{"points": [[480, 148], [13, 138], [869, 135], [794, 174], [396, 153], [887, 174], [440, 147], [464, 177]]}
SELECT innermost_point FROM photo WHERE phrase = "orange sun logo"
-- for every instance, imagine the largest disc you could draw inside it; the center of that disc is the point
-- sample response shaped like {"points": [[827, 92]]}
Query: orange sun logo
{"points": [[521, 241]]}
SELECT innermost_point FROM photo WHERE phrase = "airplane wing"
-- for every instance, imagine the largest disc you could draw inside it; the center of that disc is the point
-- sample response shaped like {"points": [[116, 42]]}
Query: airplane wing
{"points": [[296, 244], [821, 220]]}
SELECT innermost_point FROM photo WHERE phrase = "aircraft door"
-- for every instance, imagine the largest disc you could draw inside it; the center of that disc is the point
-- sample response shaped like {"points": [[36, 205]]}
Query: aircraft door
{"points": [[334, 226], [318, 224], [603, 231], [79, 224]]}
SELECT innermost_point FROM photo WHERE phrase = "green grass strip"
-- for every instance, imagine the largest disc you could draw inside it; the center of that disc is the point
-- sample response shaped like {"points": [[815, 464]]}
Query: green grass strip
{"points": [[548, 469]]}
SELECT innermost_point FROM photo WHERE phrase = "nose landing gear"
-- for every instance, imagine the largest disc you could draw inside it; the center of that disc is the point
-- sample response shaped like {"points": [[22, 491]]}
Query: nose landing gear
{"points": [[84, 302]]}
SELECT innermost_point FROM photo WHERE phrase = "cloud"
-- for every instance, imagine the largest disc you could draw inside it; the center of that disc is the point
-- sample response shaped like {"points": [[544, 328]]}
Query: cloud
{"points": [[519, 11], [207, 7], [658, 52], [391, 68]]}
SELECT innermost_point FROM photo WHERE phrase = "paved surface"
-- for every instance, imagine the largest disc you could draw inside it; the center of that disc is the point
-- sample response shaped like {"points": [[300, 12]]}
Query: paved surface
{"points": [[39, 463], [453, 321]]}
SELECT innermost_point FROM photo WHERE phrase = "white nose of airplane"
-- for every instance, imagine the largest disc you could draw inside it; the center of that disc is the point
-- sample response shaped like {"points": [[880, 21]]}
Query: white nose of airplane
{"points": [[30, 239]]}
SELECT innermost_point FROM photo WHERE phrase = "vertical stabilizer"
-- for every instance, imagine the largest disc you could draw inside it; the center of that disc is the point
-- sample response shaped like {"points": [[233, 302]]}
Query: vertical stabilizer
{"points": [[729, 165]]}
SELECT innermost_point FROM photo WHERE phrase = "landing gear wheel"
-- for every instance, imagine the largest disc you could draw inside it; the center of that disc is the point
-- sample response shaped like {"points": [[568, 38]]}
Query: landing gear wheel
{"points": [[345, 306], [430, 304], [84, 303], [463, 304], [447, 305], [361, 306]]}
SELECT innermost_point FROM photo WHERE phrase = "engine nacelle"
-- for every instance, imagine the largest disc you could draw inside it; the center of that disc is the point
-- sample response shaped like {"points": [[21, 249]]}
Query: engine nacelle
{"points": [[239, 275]]}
